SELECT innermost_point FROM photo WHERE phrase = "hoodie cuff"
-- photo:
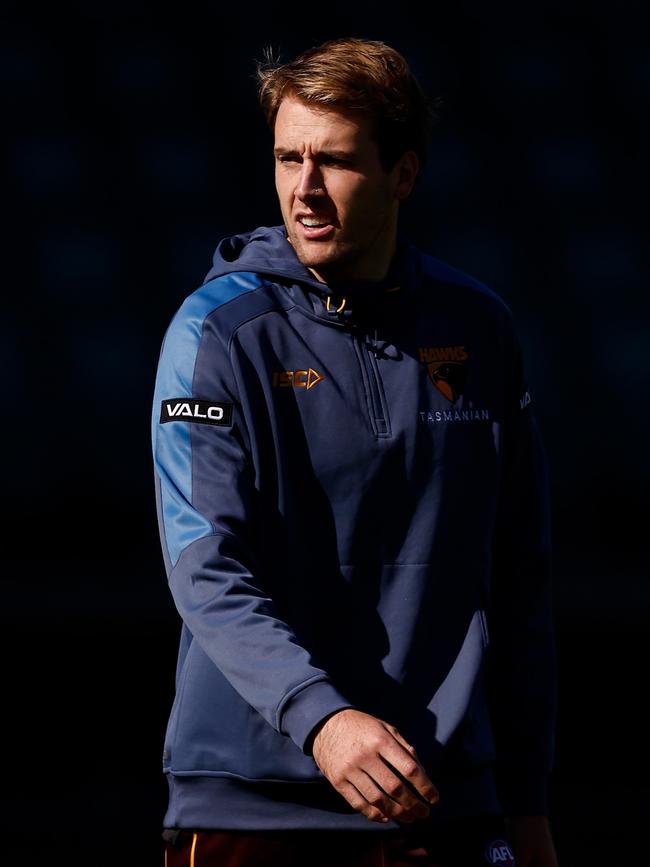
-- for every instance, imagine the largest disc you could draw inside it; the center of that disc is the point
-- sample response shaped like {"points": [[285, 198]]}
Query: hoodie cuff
{"points": [[308, 709], [523, 794]]}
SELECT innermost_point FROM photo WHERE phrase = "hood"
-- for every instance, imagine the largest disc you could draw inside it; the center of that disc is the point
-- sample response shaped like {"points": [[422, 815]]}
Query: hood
{"points": [[267, 251]]}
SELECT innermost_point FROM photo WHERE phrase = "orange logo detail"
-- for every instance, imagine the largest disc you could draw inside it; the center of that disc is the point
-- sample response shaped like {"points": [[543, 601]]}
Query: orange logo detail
{"points": [[446, 368], [297, 378]]}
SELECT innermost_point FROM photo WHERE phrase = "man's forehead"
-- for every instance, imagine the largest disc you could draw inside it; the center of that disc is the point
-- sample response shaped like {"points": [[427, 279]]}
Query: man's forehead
{"points": [[298, 122]]}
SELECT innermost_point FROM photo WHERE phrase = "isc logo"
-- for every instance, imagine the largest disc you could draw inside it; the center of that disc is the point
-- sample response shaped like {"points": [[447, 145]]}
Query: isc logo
{"points": [[297, 378], [499, 852]]}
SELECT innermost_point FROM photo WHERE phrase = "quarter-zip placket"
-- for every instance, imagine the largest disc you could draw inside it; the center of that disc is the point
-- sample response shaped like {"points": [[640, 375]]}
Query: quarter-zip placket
{"points": [[366, 348]]}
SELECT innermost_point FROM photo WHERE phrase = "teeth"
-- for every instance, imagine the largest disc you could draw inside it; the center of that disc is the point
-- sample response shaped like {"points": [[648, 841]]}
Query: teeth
{"points": [[311, 223]]}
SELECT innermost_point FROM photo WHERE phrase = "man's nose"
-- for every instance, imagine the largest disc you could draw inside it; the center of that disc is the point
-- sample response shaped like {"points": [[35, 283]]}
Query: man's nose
{"points": [[310, 181]]}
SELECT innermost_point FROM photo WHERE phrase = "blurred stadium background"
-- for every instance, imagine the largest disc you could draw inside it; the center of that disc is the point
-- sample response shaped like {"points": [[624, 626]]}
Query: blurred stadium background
{"points": [[132, 144]]}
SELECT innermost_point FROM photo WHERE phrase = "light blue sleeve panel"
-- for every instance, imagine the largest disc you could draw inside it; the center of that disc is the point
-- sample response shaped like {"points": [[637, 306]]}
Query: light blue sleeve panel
{"points": [[181, 523]]}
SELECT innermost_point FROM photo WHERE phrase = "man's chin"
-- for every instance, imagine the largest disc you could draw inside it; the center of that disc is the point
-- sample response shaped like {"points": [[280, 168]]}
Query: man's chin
{"points": [[319, 259]]}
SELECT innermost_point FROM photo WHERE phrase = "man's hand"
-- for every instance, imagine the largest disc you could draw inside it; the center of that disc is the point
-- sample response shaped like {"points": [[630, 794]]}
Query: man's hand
{"points": [[373, 767], [532, 841]]}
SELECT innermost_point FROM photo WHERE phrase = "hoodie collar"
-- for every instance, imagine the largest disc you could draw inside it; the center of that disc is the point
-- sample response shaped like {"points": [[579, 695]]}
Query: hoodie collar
{"points": [[267, 251]]}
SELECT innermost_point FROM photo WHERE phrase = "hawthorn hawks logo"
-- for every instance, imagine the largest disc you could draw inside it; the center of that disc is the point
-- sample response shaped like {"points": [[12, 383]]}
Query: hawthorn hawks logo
{"points": [[446, 368]]}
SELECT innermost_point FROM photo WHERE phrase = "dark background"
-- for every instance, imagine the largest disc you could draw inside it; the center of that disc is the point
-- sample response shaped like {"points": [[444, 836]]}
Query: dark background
{"points": [[133, 142]]}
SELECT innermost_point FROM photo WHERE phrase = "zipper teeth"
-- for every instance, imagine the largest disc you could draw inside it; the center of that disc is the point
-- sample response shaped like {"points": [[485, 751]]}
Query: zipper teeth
{"points": [[357, 344], [378, 411], [375, 396]]}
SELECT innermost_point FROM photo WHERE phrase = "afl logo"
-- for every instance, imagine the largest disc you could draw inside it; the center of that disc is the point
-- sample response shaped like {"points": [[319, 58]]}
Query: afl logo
{"points": [[499, 852]]}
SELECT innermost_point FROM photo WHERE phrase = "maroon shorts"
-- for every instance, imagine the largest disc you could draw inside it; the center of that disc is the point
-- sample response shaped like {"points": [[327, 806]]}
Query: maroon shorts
{"points": [[467, 842]]}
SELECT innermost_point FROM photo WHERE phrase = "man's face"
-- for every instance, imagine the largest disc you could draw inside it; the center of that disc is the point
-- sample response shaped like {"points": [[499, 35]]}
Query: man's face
{"points": [[338, 204]]}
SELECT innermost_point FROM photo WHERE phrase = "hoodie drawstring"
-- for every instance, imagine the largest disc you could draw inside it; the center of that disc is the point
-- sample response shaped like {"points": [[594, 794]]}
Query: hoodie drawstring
{"points": [[333, 311], [337, 309]]}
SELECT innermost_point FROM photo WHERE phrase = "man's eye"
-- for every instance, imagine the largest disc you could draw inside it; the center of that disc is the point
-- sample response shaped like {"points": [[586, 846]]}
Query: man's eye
{"points": [[288, 158]]}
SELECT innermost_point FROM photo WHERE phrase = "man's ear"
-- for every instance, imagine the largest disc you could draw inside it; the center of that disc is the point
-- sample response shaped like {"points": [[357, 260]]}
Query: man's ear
{"points": [[405, 172]]}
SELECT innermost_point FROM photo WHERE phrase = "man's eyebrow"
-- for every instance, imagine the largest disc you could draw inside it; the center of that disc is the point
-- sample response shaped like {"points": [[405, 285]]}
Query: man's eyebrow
{"points": [[326, 152], [339, 155]]}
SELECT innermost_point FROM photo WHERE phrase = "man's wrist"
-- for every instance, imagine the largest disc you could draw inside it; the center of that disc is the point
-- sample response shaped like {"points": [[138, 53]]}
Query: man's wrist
{"points": [[307, 709], [311, 739]]}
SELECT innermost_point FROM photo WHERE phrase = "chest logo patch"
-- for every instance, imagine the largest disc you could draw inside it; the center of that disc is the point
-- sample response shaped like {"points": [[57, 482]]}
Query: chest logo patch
{"points": [[446, 368], [297, 378]]}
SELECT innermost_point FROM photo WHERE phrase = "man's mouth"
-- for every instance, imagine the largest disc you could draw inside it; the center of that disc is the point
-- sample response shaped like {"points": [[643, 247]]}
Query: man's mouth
{"points": [[312, 222], [314, 228]]}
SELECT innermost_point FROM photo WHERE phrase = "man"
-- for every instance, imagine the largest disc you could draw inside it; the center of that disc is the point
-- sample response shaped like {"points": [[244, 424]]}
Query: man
{"points": [[353, 512]]}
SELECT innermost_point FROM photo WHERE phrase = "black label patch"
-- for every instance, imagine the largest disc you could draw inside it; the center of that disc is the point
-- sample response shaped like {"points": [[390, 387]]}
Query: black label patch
{"points": [[201, 411]]}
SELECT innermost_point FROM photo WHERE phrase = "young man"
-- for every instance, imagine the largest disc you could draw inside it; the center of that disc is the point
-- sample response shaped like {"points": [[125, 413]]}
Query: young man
{"points": [[353, 511]]}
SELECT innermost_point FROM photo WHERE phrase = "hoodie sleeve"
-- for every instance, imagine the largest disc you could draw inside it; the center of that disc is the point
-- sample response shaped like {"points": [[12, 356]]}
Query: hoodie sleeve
{"points": [[205, 495], [522, 670]]}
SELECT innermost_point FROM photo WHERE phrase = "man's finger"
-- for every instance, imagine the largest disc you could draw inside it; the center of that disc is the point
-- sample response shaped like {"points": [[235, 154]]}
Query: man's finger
{"points": [[397, 791], [374, 795], [411, 770], [379, 798], [358, 802], [398, 737]]}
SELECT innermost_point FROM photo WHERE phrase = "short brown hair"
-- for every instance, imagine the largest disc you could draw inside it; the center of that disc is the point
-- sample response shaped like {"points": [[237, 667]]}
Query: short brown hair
{"points": [[361, 75]]}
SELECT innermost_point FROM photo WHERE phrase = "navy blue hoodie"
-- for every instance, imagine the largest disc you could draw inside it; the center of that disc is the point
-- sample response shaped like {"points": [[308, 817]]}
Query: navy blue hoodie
{"points": [[353, 512]]}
